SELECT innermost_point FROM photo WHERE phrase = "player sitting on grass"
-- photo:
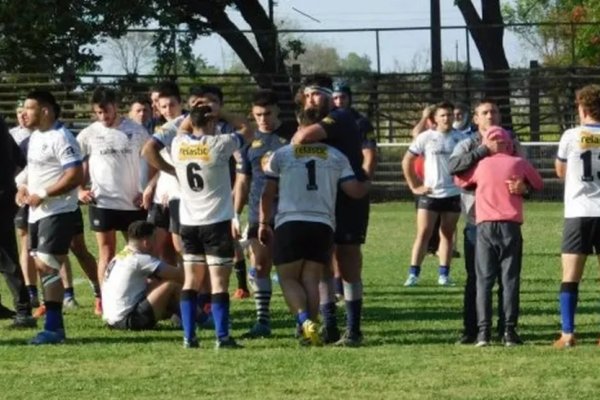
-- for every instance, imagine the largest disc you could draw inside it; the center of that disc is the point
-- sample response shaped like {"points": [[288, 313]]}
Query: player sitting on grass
{"points": [[138, 288]]}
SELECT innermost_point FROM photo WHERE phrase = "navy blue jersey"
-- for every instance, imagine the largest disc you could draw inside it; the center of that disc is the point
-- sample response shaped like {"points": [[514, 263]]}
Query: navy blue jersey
{"points": [[343, 134], [366, 129]]}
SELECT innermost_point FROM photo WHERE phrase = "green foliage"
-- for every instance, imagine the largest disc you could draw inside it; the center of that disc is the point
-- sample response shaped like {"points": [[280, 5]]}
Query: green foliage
{"points": [[559, 45]]}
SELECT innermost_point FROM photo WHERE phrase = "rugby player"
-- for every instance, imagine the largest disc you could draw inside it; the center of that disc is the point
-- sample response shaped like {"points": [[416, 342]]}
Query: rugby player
{"points": [[130, 301], [338, 128], [111, 148], [577, 163], [250, 180], [201, 162], [49, 186], [305, 178], [438, 195]]}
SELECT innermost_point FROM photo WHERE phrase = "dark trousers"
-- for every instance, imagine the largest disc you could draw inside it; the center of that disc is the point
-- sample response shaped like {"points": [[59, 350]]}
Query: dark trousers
{"points": [[498, 253], [9, 256], [470, 294]]}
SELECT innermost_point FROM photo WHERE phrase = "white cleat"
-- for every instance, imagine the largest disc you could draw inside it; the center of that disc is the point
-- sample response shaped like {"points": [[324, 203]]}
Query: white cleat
{"points": [[412, 280], [444, 280]]}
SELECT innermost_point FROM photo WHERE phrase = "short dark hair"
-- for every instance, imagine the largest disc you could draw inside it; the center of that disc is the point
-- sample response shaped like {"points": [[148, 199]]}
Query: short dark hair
{"points": [[320, 79], [103, 96], [140, 230], [45, 98], [264, 98], [485, 100], [445, 105], [200, 116], [142, 99], [203, 90], [169, 89]]}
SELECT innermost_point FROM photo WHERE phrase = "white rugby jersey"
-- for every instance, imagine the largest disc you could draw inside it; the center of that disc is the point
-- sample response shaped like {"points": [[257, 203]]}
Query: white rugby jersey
{"points": [[167, 184], [125, 284], [202, 166], [19, 133], [580, 148], [50, 153], [308, 176], [437, 147], [114, 162]]}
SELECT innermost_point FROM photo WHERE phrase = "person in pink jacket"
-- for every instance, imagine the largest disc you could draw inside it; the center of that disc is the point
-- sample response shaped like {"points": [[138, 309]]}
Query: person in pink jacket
{"points": [[499, 215]]}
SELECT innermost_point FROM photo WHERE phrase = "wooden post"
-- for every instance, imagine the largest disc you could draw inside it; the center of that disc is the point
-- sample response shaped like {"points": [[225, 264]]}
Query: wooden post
{"points": [[534, 101]]}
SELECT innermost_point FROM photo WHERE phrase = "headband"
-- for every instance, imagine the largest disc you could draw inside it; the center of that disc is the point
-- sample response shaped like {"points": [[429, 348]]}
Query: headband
{"points": [[314, 88]]}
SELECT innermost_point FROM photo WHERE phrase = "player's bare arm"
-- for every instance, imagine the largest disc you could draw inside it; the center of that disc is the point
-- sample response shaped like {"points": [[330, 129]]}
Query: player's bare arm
{"points": [[151, 152], [408, 168], [70, 179], [265, 233]]}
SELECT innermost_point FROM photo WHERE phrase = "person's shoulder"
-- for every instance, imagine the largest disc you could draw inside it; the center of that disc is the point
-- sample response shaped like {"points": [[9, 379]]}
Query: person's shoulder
{"points": [[91, 129], [128, 125]]}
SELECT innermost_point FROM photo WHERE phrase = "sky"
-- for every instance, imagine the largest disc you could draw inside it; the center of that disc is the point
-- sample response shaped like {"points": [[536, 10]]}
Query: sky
{"points": [[401, 51]]}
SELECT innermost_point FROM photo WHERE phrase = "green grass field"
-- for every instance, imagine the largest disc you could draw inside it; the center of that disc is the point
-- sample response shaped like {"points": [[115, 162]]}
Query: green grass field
{"points": [[409, 350]]}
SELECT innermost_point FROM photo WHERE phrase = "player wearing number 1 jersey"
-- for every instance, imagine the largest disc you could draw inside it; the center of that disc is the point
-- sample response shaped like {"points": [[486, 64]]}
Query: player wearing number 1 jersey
{"points": [[578, 163], [201, 162], [305, 178]]}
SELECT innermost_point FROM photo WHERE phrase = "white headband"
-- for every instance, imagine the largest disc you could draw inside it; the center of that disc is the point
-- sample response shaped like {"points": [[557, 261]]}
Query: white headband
{"points": [[320, 89]]}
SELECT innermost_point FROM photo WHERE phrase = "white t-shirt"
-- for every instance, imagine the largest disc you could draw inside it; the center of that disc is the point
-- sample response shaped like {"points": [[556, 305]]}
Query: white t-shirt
{"points": [[114, 162], [309, 176], [50, 153], [202, 166], [19, 133], [437, 147], [580, 148], [167, 185], [125, 283]]}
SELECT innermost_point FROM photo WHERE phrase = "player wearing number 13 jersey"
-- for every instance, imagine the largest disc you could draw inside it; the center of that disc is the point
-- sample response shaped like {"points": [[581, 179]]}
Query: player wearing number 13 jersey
{"points": [[578, 163], [201, 162]]}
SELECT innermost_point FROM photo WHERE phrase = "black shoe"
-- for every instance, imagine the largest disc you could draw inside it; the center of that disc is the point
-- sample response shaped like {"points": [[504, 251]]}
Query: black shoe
{"points": [[511, 338], [350, 339], [23, 322], [190, 344], [483, 339], [466, 339], [6, 313], [227, 343], [329, 334]]}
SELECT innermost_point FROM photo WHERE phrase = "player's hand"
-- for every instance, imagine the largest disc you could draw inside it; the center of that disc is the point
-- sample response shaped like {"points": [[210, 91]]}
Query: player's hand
{"points": [[147, 197], [428, 112], [137, 200], [236, 230], [421, 190], [164, 200], [86, 196], [21, 196], [34, 200], [265, 234], [495, 146], [516, 186]]}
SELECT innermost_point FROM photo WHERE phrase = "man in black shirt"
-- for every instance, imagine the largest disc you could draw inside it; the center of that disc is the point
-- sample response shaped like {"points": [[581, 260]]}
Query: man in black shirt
{"points": [[11, 158], [339, 129]]}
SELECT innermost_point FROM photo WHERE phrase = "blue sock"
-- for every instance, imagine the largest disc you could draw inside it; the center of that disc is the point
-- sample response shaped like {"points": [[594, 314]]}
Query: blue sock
{"points": [[302, 317], [353, 293], [54, 318], [220, 311], [188, 306], [415, 270], [444, 270], [328, 313], [568, 305], [353, 315], [339, 286], [69, 293]]}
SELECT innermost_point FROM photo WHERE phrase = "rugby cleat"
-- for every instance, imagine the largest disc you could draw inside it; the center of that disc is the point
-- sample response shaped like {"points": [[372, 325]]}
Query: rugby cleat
{"points": [[412, 280], [564, 342], [310, 332], [48, 337], [444, 280], [329, 334], [257, 331], [350, 339], [6, 313], [191, 343], [23, 322], [227, 343]]}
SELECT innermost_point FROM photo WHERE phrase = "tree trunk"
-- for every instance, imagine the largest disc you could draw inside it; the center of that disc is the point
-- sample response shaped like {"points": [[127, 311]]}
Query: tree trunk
{"points": [[487, 32]]}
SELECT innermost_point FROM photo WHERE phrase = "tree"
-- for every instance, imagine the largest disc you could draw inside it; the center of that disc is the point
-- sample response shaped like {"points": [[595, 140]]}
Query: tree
{"points": [[131, 51], [353, 63], [487, 31], [564, 43]]}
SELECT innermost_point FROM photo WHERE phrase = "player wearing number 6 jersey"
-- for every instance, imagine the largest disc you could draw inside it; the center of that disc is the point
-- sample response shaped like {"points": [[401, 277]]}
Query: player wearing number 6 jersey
{"points": [[201, 162], [306, 178], [578, 163]]}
